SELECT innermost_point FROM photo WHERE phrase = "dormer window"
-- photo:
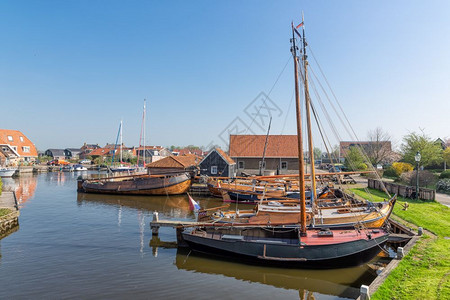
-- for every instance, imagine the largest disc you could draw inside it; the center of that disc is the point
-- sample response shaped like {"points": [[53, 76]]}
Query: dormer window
{"points": [[26, 149], [21, 138], [10, 138]]}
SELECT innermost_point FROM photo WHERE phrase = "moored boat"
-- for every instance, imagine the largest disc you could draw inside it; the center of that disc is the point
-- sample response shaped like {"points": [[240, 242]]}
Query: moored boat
{"points": [[291, 244], [172, 184], [286, 247], [7, 172]]}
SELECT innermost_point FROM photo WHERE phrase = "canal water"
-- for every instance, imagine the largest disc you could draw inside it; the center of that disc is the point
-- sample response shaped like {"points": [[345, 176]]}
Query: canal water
{"points": [[87, 246]]}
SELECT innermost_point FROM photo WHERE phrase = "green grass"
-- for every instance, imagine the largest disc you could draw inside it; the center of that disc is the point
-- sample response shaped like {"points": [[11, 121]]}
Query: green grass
{"points": [[425, 272], [4, 211]]}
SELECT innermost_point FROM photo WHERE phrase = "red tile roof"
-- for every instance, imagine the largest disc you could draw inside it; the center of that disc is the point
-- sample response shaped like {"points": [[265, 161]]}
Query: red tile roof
{"points": [[225, 156], [253, 146], [184, 151], [184, 161], [16, 136], [100, 152]]}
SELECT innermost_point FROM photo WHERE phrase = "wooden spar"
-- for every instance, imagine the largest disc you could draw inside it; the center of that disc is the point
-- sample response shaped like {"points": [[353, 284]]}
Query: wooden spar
{"points": [[121, 142], [295, 175], [301, 168], [308, 121], [143, 122], [265, 147]]}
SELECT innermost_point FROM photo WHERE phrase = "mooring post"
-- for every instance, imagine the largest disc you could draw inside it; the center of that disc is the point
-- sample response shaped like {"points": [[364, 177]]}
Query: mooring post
{"points": [[364, 292], [400, 253], [155, 228], [420, 231]]}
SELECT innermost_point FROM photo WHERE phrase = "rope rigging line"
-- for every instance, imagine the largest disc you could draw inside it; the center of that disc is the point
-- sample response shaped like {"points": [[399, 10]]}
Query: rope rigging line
{"points": [[348, 122], [336, 135], [268, 94]]}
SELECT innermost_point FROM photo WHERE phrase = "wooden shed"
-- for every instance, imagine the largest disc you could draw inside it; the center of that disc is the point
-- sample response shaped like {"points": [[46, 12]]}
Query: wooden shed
{"points": [[172, 164], [218, 163]]}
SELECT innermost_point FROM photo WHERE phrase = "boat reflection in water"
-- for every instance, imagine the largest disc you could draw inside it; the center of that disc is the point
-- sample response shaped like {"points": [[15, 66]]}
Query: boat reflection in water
{"points": [[311, 284], [173, 206]]}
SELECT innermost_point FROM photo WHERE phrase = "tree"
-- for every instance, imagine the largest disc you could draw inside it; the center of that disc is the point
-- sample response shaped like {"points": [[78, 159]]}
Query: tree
{"points": [[379, 148], [431, 152], [401, 167], [446, 155], [317, 153], [335, 153], [354, 159]]}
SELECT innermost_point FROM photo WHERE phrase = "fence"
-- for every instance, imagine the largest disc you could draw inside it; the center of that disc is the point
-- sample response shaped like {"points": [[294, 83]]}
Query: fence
{"points": [[402, 190]]}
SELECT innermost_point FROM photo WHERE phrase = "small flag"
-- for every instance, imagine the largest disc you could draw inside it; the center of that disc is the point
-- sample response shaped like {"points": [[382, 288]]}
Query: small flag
{"points": [[299, 25], [193, 205]]}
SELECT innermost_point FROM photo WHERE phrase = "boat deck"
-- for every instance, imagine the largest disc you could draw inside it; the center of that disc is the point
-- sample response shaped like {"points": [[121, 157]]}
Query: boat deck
{"points": [[313, 237]]}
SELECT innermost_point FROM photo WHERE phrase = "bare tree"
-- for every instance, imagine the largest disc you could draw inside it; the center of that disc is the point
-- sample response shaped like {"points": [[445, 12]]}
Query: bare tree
{"points": [[379, 148]]}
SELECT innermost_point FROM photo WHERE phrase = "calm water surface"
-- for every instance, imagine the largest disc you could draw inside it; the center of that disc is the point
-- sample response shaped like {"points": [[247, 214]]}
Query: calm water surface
{"points": [[86, 246]]}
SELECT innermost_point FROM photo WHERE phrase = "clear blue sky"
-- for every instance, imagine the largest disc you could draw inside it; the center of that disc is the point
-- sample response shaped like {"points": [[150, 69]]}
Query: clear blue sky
{"points": [[70, 70]]}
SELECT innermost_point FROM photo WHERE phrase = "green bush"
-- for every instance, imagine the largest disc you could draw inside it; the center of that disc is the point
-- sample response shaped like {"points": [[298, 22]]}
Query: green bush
{"points": [[443, 185], [445, 174], [390, 172], [361, 166]]}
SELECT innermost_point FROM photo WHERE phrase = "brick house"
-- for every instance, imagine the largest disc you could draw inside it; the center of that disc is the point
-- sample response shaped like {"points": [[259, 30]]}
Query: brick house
{"points": [[16, 147], [281, 155]]}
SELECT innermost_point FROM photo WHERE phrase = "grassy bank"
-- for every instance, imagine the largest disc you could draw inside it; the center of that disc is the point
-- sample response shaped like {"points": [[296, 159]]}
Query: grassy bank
{"points": [[425, 272], [4, 211]]}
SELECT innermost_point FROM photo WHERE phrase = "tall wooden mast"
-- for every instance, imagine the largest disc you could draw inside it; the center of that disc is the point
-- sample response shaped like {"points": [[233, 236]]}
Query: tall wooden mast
{"points": [[301, 168], [308, 121]]}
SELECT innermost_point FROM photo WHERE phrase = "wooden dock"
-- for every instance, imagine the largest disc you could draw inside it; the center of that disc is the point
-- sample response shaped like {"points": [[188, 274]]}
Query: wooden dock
{"points": [[200, 189], [155, 224], [8, 200], [9, 223]]}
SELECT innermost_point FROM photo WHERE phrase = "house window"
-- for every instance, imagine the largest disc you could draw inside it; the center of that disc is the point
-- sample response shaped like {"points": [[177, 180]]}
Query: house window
{"points": [[10, 138], [241, 165], [213, 169], [284, 165], [14, 148], [262, 164], [21, 138], [26, 149]]}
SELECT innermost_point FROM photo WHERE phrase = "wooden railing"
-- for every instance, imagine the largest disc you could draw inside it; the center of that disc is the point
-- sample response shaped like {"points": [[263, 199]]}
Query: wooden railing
{"points": [[402, 190]]}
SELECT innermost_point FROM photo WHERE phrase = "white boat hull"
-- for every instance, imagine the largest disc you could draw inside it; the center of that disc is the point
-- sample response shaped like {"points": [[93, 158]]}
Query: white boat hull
{"points": [[7, 172]]}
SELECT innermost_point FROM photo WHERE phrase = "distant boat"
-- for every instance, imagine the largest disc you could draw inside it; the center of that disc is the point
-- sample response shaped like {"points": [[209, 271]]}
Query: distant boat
{"points": [[79, 167], [121, 167], [67, 168], [7, 172]]}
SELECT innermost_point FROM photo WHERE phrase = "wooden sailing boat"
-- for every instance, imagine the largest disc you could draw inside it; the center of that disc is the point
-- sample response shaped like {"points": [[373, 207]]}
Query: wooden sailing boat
{"points": [[137, 184], [121, 167], [296, 246]]}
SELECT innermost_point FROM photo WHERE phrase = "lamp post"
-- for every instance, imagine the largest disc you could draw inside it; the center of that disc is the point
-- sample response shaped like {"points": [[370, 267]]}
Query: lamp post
{"points": [[417, 157]]}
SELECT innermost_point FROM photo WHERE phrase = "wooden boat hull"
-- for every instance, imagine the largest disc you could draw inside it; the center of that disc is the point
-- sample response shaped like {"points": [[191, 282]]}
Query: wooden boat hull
{"points": [[139, 185], [375, 218], [272, 248]]}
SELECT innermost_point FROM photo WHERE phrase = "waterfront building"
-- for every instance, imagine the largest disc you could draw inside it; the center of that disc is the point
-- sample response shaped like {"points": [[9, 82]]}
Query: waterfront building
{"points": [[171, 164], [56, 153], [16, 148], [280, 157], [218, 163]]}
